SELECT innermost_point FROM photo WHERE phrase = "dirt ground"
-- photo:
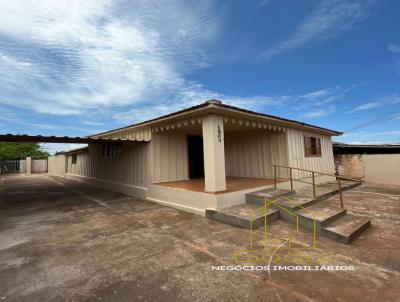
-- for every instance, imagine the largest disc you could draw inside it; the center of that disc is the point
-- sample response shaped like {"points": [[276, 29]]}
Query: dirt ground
{"points": [[65, 241]]}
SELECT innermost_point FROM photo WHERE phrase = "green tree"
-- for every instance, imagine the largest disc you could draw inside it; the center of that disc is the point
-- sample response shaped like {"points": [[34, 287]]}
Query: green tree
{"points": [[10, 150]]}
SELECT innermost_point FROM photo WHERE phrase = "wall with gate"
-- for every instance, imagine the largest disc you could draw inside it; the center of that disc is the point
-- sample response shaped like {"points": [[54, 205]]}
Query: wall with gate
{"points": [[12, 166], [28, 165], [39, 165]]}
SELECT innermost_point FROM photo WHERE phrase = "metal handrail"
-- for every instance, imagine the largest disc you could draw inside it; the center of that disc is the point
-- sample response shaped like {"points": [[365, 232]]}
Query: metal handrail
{"points": [[320, 173], [337, 177]]}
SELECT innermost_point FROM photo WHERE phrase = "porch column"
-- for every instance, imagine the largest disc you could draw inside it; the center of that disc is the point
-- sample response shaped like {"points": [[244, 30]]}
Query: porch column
{"points": [[214, 153], [28, 165]]}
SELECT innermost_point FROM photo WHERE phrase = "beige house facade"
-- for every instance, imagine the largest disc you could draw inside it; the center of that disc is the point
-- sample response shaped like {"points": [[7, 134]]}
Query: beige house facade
{"points": [[206, 156]]}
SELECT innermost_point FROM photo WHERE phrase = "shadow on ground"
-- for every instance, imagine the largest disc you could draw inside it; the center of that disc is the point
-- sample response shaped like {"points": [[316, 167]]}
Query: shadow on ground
{"points": [[63, 240]]}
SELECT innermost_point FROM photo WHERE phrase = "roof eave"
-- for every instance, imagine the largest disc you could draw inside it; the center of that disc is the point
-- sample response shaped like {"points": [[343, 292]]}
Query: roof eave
{"points": [[219, 108]]}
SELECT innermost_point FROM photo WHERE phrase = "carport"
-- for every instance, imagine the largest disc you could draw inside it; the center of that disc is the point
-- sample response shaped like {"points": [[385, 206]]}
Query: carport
{"points": [[41, 165], [23, 138]]}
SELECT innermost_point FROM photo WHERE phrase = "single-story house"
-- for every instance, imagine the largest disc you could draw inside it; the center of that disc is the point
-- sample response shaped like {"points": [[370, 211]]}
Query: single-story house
{"points": [[205, 156]]}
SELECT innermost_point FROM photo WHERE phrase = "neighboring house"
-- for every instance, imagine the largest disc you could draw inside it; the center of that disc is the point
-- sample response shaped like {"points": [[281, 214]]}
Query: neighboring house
{"points": [[371, 163], [206, 156]]}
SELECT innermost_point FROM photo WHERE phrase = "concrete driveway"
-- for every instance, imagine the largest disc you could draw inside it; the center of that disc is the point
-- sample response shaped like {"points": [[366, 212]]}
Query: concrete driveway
{"points": [[65, 241]]}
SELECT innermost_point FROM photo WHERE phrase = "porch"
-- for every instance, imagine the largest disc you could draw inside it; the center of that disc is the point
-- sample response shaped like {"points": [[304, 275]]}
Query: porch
{"points": [[233, 184], [216, 154]]}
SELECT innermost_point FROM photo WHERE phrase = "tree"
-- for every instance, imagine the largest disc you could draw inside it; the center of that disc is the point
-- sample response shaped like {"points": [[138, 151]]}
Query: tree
{"points": [[10, 150]]}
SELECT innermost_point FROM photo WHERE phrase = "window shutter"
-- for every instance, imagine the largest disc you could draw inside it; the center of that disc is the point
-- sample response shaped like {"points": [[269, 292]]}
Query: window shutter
{"points": [[307, 146], [318, 147]]}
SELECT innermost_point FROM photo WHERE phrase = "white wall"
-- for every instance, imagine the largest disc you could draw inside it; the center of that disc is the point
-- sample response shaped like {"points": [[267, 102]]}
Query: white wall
{"points": [[131, 168], [169, 156], [382, 168], [324, 164], [251, 153], [57, 164]]}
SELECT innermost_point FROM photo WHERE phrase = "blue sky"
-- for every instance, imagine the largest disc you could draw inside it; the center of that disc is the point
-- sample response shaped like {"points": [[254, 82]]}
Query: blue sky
{"points": [[79, 67]]}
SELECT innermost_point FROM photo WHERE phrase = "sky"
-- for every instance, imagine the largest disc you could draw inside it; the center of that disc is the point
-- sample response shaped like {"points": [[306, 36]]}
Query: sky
{"points": [[80, 67]]}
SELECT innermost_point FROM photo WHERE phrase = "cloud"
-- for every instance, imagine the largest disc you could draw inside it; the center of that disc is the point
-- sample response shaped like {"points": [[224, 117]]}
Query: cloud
{"points": [[63, 57], [54, 148], [190, 97], [325, 96], [90, 123], [329, 19], [366, 106], [395, 48], [384, 101], [375, 142], [263, 3], [382, 133], [320, 112], [13, 118], [126, 60], [319, 103]]}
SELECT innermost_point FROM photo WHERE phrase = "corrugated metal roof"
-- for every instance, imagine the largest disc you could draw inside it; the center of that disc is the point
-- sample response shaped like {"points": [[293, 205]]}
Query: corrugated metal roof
{"points": [[57, 139], [74, 151], [380, 146], [341, 148]]}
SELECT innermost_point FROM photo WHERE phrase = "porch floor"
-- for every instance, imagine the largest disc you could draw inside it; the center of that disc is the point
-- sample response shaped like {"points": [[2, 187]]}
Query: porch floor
{"points": [[233, 184]]}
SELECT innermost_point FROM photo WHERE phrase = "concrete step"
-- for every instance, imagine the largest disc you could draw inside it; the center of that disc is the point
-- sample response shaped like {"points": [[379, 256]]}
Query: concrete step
{"points": [[346, 228], [320, 213], [324, 191], [258, 197], [346, 185], [293, 203], [244, 215]]}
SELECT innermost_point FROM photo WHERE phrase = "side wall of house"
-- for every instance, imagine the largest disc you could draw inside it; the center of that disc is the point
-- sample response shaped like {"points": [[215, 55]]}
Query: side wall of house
{"points": [[297, 158], [169, 156], [57, 164], [251, 153], [131, 168]]}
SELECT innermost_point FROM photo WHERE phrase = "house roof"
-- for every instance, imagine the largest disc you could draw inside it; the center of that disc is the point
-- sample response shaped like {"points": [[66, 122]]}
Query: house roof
{"points": [[74, 151], [55, 139], [216, 106], [341, 148]]}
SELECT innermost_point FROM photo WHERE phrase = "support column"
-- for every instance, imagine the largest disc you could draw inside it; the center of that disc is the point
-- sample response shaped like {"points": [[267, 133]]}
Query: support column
{"points": [[28, 165], [214, 153]]}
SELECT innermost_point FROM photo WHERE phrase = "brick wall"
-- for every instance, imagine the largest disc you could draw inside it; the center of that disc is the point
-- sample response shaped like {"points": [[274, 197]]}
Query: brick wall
{"points": [[350, 165]]}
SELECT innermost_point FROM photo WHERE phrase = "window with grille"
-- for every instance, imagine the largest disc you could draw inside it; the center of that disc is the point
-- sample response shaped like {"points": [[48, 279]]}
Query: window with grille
{"points": [[111, 150], [312, 146]]}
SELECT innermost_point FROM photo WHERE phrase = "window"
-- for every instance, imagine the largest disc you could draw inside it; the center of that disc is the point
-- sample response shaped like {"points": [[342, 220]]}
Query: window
{"points": [[74, 158], [111, 150], [312, 146]]}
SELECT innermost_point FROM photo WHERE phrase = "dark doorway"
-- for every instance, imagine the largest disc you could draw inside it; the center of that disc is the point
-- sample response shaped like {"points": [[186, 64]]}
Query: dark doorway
{"points": [[196, 156]]}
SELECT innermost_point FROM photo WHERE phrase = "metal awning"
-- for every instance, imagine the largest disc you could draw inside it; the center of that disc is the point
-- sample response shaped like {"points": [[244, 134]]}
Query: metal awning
{"points": [[341, 148], [57, 139]]}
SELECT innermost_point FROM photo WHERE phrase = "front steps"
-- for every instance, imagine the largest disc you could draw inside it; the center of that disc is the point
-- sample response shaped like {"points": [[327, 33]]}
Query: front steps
{"points": [[258, 197], [250, 214], [346, 228], [296, 207], [245, 215]]}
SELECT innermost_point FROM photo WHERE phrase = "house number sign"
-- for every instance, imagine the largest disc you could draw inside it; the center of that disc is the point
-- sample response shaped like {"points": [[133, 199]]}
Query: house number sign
{"points": [[219, 134]]}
